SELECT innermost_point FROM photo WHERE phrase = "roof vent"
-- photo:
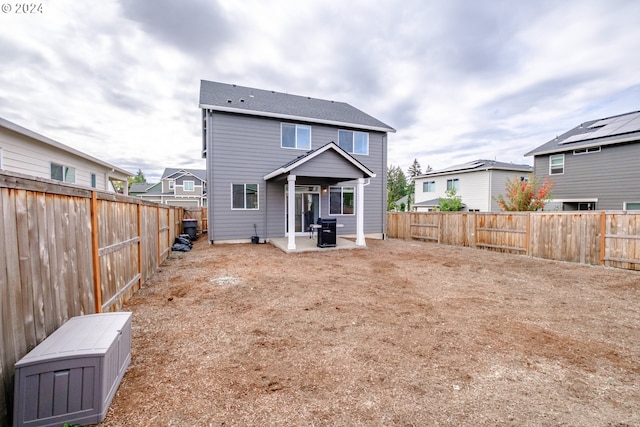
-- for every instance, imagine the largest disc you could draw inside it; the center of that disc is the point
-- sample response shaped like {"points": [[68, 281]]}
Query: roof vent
{"points": [[241, 99], [229, 101]]}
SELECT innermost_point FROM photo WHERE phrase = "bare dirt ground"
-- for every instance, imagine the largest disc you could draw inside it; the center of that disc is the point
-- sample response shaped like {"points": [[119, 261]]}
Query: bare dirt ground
{"points": [[399, 333]]}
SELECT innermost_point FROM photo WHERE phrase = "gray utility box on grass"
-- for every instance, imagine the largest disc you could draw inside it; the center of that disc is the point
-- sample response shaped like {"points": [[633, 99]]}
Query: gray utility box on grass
{"points": [[72, 376]]}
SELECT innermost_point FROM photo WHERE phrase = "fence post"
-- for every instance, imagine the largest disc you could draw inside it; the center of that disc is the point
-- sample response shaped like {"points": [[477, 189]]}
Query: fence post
{"points": [[139, 207], [439, 226], [603, 238], [159, 236], [95, 248], [528, 235]]}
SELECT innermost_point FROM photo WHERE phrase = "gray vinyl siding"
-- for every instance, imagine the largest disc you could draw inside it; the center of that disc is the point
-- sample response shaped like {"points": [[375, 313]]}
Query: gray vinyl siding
{"points": [[243, 149], [611, 175]]}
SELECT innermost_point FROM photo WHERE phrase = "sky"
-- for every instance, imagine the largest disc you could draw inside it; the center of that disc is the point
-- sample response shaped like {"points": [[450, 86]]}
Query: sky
{"points": [[459, 80]]}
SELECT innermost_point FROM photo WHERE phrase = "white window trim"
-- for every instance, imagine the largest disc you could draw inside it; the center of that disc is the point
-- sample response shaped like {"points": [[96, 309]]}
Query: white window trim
{"points": [[353, 141], [563, 164], [257, 208], [296, 126], [1, 159], [342, 200], [193, 186], [586, 150], [172, 184], [429, 182], [64, 169], [453, 182], [624, 206]]}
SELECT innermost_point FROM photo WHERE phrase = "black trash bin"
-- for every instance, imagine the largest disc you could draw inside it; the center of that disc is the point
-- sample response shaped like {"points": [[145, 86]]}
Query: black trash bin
{"points": [[327, 232], [190, 227]]}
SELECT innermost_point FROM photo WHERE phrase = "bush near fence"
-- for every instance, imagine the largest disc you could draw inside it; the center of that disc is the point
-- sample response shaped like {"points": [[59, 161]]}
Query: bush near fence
{"points": [[68, 251], [587, 237]]}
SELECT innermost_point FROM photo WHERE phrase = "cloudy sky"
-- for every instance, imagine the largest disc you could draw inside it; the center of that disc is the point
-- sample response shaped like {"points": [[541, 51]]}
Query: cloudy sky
{"points": [[459, 79]]}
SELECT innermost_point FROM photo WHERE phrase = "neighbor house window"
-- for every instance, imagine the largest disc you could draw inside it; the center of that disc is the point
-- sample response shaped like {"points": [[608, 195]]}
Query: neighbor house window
{"points": [[341, 201], [453, 184], [188, 185], [0, 158], [296, 136], [244, 196], [429, 187], [353, 142], [171, 184], [94, 183], [63, 173], [632, 206], [587, 150], [556, 164]]}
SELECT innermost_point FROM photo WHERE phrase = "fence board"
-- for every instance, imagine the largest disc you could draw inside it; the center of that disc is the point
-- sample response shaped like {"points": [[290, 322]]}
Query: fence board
{"points": [[609, 238], [47, 271]]}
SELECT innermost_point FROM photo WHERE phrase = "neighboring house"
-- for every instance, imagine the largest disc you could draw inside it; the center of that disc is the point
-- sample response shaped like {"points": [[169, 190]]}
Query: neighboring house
{"points": [[478, 183], [178, 187], [27, 152], [595, 165], [278, 162]]}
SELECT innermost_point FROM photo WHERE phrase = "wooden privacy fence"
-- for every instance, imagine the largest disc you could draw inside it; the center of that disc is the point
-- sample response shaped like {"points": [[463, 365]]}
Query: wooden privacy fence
{"points": [[596, 238], [67, 251]]}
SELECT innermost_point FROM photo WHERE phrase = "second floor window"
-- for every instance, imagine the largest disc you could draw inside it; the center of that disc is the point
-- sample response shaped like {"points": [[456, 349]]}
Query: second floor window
{"points": [[296, 136], [94, 182], [171, 184], [354, 142], [188, 186], [63, 173], [429, 187], [453, 184], [556, 164]]}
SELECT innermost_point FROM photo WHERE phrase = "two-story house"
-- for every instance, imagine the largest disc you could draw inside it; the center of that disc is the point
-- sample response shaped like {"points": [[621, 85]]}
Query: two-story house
{"points": [[478, 183], [595, 165], [27, 152], [278, 162], [177, 187]]}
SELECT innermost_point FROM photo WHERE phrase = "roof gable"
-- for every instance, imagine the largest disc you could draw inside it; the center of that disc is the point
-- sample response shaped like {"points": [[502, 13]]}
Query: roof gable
{"points": [[313, 154], [173, 173], [245, 100]]}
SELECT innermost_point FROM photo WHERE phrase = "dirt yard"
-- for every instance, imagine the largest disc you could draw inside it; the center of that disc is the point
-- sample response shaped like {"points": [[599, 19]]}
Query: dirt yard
{"points": [[400, 333]]}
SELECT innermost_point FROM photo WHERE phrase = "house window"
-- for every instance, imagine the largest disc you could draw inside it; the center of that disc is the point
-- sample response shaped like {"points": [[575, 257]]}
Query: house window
{"points": [[94, 183], [341, 201], [556, 164], [453, 184], [63, 173], [296, 136], [354, 142], [429, 187], [0, 158], [632, 206], [171, 184], [188, 185], [587, 150], [244, 196]]}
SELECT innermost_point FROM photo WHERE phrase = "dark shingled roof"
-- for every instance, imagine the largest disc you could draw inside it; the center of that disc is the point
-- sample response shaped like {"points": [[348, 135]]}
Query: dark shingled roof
{"points": [[618, 129], [199, 173], [479, 165], [245, 100]]}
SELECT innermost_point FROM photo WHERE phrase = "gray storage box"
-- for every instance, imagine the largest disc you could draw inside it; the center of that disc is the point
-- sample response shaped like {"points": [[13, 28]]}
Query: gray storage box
{"points": [[72, 376]]}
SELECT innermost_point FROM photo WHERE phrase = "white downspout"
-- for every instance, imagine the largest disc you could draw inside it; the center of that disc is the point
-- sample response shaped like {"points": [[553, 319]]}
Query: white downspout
{"points": [[291, 223], [360, 214]]}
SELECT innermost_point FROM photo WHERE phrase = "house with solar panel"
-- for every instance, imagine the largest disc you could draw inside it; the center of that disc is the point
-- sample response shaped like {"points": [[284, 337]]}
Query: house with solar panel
{"points": [[478, 183], [279, 163], [595, 166]]}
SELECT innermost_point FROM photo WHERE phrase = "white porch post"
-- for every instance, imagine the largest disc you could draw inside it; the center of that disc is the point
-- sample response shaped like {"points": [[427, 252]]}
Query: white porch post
{"points": [[360, 213], [291, 219]]}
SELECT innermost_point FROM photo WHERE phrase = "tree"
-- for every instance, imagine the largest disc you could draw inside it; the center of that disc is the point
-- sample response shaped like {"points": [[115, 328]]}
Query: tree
{"points": [[451, 203], [525, 194], [414, 170], [139, 178], [396, 186]]}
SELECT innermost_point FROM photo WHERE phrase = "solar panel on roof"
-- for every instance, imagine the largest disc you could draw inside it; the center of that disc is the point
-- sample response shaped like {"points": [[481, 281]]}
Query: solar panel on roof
{"points": [[612, 126]]}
